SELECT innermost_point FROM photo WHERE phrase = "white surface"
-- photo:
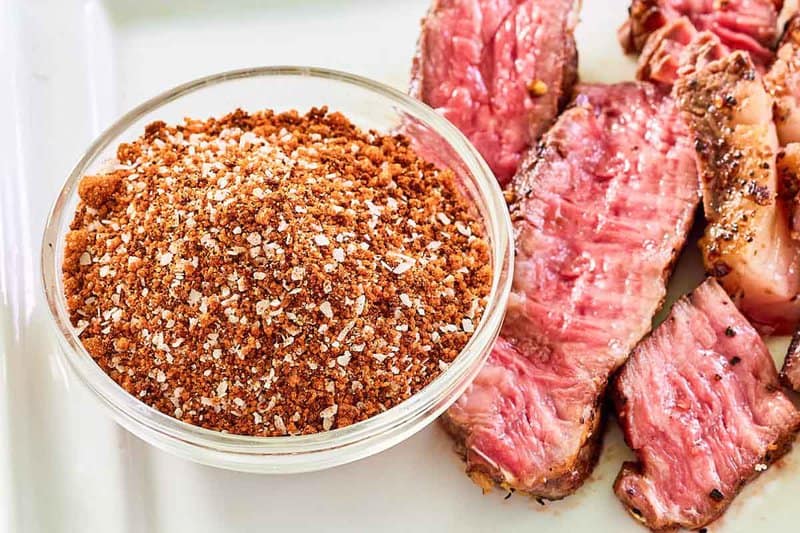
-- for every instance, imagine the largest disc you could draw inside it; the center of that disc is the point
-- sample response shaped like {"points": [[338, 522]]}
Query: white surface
{"points": [[69, 68]]}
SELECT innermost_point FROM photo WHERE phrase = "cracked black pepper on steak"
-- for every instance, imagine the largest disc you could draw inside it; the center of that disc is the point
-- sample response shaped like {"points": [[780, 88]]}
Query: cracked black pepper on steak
{"points": [[271, 274]]}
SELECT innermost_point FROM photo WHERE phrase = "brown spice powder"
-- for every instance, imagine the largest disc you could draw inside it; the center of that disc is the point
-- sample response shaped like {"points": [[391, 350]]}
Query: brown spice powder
{"points": [[273, 274]]}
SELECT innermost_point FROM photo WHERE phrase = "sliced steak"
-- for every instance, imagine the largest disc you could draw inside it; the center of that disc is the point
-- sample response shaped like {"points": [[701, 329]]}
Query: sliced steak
{"points": [[749, 25], [789, 185], [700, 405], [603, 205], [675, 49], [500, 70], [783, 83], [789, 174], [747, 244]]}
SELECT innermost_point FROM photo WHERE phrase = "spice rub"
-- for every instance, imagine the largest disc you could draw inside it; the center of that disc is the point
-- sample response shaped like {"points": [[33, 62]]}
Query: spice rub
{"points": [[272, 274]]}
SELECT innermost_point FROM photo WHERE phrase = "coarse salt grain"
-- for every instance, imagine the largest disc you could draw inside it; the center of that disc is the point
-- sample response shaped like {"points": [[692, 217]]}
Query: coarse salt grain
{"points": [[402, 268], [361, 303], [406, 300], [326, 309], [261, 307], [298, 273], [467, 326], [279, 423], [327, 415]]}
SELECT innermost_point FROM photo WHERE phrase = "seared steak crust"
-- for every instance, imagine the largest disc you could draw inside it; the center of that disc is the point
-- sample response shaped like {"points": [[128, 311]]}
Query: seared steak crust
{"points": [[602, 208], [700, 405], [710, 98], [747, 244], [790, 374]]}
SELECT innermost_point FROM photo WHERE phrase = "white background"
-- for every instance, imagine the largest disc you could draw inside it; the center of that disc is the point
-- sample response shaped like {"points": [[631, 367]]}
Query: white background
{"points": [[67, 69]]}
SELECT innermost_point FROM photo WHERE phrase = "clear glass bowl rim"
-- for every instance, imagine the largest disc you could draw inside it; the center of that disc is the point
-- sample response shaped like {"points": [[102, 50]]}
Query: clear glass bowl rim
{"points": [[131, 412]]}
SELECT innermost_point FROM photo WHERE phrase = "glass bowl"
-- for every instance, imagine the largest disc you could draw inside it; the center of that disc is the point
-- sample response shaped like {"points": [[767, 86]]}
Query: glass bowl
{"points": [[369, 105]]}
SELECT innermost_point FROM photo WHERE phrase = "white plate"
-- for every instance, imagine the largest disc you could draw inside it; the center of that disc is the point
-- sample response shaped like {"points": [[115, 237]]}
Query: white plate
{"points": [[69, 68]]}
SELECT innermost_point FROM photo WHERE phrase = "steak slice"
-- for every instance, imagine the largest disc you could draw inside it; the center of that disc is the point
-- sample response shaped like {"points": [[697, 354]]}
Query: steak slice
{"points": [[789, 184], [675, 49], [747, 244], [700, 405], [789, 172], [748, 25], [603, 205], [500, 70], [783, 83]]}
